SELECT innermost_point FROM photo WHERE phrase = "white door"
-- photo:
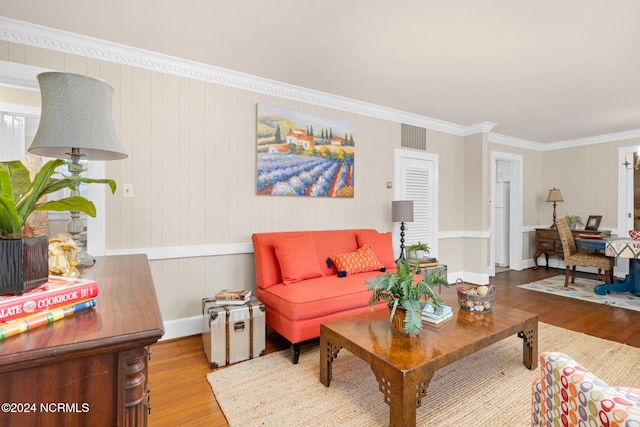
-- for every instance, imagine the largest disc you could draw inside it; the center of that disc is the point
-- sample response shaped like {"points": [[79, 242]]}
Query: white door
{"points": [[416, 177], [514, 201], [502, 223]]}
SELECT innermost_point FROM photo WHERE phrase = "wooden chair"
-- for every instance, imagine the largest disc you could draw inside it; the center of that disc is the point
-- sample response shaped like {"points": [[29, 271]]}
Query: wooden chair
{"points": [[573, 258]]}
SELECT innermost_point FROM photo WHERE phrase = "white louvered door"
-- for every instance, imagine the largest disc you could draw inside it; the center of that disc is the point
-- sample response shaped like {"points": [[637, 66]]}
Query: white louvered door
{"points": [[417, 179]]}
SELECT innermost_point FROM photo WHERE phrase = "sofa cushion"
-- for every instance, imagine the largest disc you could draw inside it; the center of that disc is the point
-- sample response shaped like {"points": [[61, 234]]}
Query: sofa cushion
{"points": [[359, 261], [326, 242], [293, 266], [318, 297], [380, 243], [333, 242]]}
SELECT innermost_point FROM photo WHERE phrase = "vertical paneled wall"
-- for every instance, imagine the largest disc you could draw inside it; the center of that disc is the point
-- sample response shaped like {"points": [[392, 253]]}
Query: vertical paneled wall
{"points": [[192, 165]]}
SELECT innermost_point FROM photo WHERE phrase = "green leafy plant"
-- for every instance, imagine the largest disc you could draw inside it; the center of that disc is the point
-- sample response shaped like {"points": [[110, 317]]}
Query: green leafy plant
{"points": [[400, 289], [19, 196], [418, 247], [574, 220]]}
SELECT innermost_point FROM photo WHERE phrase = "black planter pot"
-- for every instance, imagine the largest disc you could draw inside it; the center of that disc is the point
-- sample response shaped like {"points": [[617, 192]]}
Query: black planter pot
{"points": [[24, 264]]}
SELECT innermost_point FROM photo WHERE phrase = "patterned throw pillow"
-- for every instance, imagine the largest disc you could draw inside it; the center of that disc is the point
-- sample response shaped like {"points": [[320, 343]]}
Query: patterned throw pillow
{"points": [[360, 261]]}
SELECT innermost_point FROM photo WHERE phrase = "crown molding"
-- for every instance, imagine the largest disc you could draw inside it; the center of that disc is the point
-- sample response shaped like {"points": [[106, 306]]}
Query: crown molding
{"points": [[516, 142], [482, 127], [26, 33], [569, 143], [53, 39], [598, 139]]}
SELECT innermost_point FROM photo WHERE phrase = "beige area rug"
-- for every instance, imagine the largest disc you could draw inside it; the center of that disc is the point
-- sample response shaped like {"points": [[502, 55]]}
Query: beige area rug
{"points": [[582, 289], [489, 388]]}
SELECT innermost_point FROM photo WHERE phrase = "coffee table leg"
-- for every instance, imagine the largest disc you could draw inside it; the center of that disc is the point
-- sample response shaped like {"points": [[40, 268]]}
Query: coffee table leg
{"points": [[402, 394], [529, 337], [328, 352]]}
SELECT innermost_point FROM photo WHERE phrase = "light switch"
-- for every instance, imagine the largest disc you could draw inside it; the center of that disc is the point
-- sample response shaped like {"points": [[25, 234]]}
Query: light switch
{"points": [[127, 191]]}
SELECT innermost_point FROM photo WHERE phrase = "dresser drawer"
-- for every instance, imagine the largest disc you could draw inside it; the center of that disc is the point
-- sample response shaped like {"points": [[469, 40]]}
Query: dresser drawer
{"points": [[547, 245], [547, 234]]}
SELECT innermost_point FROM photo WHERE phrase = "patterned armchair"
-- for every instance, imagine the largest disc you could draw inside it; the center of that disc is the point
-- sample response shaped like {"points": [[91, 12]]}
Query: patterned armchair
{"points": [[572, 257], [568, 394]]}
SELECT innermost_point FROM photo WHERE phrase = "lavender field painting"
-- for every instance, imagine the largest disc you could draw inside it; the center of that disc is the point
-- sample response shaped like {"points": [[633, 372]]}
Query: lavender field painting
{"points": [[302, 154]]}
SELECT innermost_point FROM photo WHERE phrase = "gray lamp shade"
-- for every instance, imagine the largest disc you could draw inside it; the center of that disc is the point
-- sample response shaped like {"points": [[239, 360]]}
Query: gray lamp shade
{"points": [[76, 113], [402, 211]]}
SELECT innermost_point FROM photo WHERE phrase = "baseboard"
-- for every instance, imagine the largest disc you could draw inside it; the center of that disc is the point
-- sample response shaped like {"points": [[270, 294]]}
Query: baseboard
{"points": [[184, 327], [475, 278], [187, 326], [559, 264]]}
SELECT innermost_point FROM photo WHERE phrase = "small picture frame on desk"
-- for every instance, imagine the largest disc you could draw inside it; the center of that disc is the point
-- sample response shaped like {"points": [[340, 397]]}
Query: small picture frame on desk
{"points": [[593, 222]]}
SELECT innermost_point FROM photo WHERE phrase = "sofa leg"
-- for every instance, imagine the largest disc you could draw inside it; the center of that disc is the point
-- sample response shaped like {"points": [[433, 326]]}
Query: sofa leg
{"points": [[295, 352]]}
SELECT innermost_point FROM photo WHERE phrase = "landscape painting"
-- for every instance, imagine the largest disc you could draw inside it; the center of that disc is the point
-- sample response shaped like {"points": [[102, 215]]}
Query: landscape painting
{"points": [[303, 154]]}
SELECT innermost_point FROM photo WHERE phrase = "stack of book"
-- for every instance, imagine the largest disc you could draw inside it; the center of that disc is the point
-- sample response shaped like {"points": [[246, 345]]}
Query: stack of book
{"points": [[429, 314], [58, 298], [423, 262], [232, 297]]}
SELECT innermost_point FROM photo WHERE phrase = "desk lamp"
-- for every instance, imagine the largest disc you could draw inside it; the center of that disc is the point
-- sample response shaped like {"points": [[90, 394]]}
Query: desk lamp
{"points": [[402, 211], [554, 196], [76, 121]]}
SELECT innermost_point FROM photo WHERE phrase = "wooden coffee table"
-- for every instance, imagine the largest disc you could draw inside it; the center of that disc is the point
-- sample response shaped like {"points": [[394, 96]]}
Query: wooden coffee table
{"points": [[404, 366]]}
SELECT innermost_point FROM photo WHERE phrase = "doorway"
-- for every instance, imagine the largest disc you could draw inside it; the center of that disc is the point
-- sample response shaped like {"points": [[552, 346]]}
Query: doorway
{"points": [[506, 212]]}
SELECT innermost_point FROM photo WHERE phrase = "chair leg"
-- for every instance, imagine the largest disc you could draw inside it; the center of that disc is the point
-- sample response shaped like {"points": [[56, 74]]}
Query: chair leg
{"points": [[566, 276], [573, 274]]}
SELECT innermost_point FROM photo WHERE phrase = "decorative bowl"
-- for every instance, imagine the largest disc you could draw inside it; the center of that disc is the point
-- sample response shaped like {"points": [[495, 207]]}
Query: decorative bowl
{"points": [[635, 234]]}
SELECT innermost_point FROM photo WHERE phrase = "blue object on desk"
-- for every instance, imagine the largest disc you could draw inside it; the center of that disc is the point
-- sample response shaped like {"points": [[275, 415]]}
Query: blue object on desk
{"points": [[631, 283]]}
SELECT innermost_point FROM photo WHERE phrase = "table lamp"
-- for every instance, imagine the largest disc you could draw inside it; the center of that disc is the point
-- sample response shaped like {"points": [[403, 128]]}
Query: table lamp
{"points": [[402, 211], [554, 196], [76, 121]]}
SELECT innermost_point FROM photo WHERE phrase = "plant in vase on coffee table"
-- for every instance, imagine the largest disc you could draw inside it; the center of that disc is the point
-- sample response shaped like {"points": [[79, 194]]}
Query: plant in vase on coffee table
{"points": [[401, 291]]}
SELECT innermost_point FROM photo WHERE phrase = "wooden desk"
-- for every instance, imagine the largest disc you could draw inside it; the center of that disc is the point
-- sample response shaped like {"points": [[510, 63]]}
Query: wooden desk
{"points": [[620, 247], [548, 242], [91, 368]]}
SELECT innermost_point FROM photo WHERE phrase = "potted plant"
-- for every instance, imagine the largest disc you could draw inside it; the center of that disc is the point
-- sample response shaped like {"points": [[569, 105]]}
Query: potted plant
{"points": [[404, 294], [23, 256], [574, 221], [419, 250]]}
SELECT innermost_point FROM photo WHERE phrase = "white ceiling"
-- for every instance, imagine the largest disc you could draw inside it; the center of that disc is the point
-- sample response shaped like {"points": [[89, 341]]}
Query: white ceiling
{"points": [[543, 71]]}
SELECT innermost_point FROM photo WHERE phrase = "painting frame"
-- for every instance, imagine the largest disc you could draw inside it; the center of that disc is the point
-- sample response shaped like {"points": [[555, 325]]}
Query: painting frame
{"points": [[593, 222], [304, 154]]}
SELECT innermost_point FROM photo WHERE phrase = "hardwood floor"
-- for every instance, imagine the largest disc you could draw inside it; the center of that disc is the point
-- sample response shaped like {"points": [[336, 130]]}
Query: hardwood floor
{"points": [[181, 395]]}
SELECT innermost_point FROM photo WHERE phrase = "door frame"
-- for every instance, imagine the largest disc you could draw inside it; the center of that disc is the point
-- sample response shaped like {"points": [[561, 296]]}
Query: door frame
{"points": [[625, 191], [515, 211], [626, 210]]}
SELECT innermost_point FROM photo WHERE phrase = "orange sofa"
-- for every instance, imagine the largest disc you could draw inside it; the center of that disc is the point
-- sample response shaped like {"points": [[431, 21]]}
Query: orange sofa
{"points": [[301, 288]]}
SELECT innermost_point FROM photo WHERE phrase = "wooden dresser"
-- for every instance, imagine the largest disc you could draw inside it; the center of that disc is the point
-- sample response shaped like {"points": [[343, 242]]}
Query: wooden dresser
{"points": [[89, 369], [548, 242]]}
